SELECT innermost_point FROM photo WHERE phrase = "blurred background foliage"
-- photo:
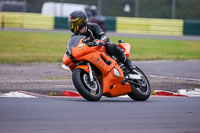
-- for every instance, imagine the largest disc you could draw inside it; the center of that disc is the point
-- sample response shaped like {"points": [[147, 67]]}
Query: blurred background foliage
{"points": [[185, 9]]}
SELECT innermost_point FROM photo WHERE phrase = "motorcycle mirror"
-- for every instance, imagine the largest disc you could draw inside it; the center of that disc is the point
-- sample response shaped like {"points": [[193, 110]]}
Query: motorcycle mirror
{"points": [[120, 41]]}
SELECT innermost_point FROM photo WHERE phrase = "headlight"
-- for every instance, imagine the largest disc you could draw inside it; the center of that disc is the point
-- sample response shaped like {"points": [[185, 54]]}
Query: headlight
{"points": [[116, 72]]}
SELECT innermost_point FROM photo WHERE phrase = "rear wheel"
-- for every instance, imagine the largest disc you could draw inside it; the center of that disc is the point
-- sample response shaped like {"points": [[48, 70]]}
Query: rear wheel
{"points": [[91, 91], [141, 88]]}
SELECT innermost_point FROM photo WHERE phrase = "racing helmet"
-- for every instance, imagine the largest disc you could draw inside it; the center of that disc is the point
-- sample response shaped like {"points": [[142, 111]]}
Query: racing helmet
{"points": [[77, 20]]}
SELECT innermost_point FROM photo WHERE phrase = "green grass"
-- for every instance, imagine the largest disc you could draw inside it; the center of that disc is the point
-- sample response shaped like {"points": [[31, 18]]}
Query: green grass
{"points": [[32, 46], [24, 47], [161, 49]]}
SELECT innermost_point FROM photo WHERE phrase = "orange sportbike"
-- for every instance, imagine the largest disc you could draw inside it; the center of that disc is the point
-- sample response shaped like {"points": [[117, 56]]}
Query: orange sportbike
{"points": [[95, 73]]}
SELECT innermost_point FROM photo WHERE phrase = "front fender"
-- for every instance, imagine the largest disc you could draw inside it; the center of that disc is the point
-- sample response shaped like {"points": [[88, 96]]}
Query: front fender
{"points": [[84, 67]]}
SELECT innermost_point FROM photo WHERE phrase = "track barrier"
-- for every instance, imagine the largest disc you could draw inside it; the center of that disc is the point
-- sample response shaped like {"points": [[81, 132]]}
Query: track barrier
{"points": [[132, 25], [2, 21]]}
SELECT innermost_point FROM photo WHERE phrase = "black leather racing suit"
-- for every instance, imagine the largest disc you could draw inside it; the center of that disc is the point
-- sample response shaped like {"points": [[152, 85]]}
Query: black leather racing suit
{"points": [[94, 31]]}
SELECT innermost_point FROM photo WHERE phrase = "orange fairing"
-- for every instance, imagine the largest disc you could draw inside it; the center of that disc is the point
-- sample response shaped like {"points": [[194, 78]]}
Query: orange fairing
{"points": [[84, 67], [112, 85], [126, 47], [111, 76], [81, 50], [68, 62], [66, 59]]}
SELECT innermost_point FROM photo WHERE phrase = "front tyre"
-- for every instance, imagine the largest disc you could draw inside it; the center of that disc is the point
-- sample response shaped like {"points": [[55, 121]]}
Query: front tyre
{"points": [[141, 88], [91, 91]]}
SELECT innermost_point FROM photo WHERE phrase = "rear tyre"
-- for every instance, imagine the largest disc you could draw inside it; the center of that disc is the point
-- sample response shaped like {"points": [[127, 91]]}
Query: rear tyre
{"points": [[91, 91], [141, 88]]}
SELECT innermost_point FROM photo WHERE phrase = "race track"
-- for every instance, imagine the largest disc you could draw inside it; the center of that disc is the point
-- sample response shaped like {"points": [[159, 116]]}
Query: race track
{"points": [[119, 115], [116, 115]]}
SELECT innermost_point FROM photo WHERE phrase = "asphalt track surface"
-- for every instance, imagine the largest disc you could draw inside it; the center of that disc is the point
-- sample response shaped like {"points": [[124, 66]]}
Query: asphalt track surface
{"points": [[119, 115], [47, 77], [188, 69], [116, 115]]}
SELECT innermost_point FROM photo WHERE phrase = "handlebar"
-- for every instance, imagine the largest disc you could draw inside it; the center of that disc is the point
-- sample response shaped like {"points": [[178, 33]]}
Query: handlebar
{"points": [[90, 43]]}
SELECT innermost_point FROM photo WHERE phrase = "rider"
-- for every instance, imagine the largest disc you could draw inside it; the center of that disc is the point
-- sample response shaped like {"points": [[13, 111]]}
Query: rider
{"points": [[78, 24]]}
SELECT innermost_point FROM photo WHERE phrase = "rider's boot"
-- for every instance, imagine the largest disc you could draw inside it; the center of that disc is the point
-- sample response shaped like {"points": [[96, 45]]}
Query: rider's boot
{"points": [[119, 54], [128, 64]]}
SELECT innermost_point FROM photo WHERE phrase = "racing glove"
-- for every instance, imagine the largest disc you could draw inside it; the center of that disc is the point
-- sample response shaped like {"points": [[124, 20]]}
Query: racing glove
{"points": [[100, 42]]}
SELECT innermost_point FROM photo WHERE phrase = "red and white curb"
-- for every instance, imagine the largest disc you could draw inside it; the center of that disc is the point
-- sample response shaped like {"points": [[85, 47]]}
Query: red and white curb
{"points": [[17, 94], [71, 94], [181, 93], [166, 93], [192, 93], [160, 93], [25, 94]]}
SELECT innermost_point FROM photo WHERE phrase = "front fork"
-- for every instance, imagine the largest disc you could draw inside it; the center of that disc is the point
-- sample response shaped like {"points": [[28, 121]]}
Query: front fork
{"points": [[90, 72]]}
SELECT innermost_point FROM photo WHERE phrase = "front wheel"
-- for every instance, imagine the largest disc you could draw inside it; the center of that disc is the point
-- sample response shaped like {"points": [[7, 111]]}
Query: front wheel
{"points": [[91, 91], [141, 88]]}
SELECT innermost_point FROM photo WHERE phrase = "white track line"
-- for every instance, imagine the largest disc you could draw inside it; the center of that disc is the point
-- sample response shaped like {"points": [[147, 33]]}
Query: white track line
{"points": [[163, 77]]}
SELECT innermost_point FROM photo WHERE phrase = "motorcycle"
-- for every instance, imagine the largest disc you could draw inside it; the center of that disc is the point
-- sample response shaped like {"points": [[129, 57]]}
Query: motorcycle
{"points": [[95, 73]]}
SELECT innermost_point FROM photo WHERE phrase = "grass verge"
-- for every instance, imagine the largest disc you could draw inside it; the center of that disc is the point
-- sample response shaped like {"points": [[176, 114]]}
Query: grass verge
{"points": [[25, 47]]}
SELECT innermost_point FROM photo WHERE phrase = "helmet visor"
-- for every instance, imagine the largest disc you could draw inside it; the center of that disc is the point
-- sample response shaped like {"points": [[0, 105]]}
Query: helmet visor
{"points": [[75, 24]]}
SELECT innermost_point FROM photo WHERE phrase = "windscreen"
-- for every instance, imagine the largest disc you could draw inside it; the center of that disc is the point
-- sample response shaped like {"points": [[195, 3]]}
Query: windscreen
{"points": [[73, 41]]}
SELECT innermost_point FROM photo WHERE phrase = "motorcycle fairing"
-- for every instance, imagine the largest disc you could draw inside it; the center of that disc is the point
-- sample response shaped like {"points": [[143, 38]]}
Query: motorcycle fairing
{"points": [[111, 84], [126, 47]]}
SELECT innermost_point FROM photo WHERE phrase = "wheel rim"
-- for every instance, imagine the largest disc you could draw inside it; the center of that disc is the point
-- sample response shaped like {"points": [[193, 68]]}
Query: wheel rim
{"points": [[92, 87], [141, 85], [142, 82]]}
